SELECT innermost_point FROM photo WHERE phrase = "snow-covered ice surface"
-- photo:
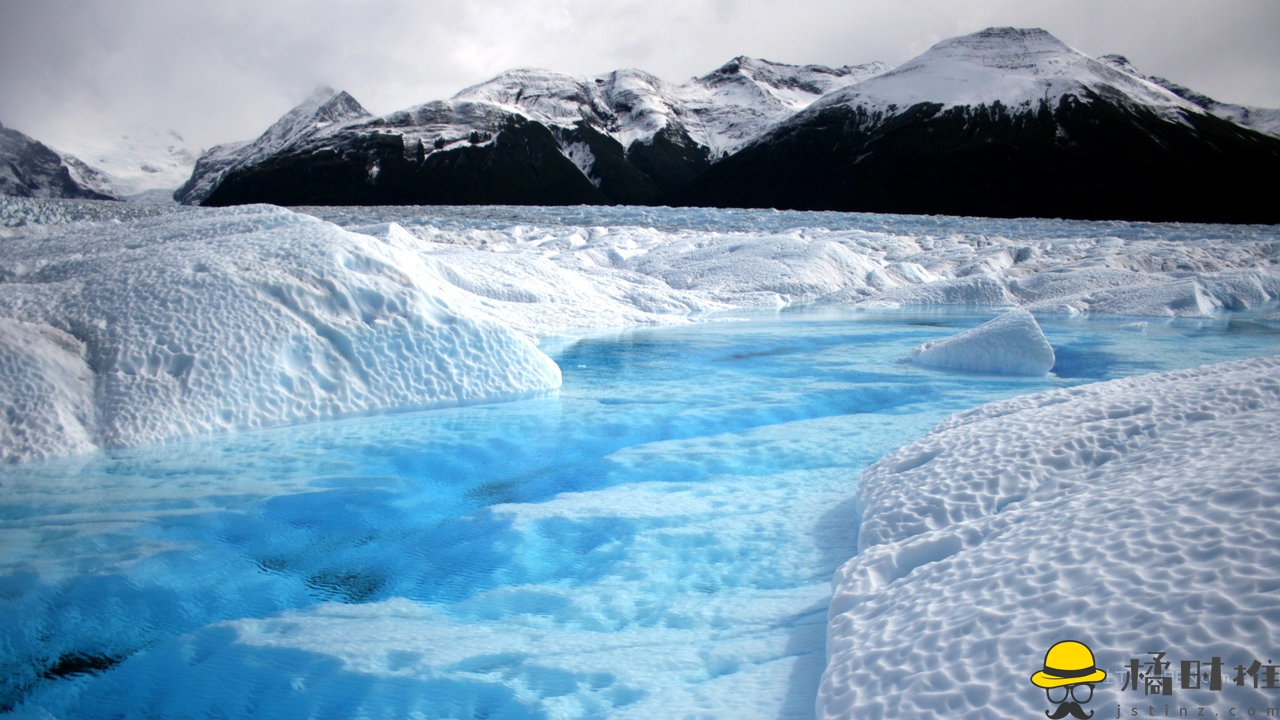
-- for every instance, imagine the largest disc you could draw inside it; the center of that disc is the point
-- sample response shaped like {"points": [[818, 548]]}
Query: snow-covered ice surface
{"points": [[1135, 515], [185, 323], [658, 537], [620, 266], [1012, 343]]}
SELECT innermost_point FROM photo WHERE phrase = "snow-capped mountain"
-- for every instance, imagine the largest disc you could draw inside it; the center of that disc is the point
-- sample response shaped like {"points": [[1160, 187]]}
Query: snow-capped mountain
{"points": [[1005, 122], [29, 168], [142, 162], [1264, 120], [722, 110], [1018, 68], [626, 136], [745, 96], [324, 111]]}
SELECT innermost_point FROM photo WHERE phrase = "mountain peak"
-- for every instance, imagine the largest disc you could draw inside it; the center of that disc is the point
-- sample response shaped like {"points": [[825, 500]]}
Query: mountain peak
{"points": [[1016, 67], [1003, 49], [326, 105], [29, 168], [323, 108], [794, 86], [320, 94], [773, 73], [1009, 36], [534, 135], [323, 111]]}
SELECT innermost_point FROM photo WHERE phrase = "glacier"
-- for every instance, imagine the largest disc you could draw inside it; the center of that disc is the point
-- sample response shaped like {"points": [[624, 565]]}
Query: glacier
{"points": [[1136, 514], [382, 311], [185, 324]]}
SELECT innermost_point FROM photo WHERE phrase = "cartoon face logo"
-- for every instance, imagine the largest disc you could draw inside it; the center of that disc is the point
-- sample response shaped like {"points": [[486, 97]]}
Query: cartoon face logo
{"points": [[1068, 677]]}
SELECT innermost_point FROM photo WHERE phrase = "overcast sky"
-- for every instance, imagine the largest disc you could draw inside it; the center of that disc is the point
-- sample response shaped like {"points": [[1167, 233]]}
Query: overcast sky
{"points": [[221, 70]]}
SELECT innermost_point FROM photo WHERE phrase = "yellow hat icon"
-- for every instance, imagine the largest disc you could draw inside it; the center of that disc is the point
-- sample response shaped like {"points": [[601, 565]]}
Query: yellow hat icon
{"points": [[1068, 663]]}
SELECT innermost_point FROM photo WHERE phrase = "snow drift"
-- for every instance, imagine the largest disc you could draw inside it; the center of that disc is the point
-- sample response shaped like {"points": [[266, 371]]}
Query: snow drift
{"points": [[1131, 515], [244, 318]]}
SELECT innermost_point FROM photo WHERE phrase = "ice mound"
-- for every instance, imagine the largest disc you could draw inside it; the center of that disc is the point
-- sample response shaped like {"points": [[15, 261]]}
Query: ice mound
{"points": [[1011, 344], [47, 393], [240, 318], [1132, 515]]}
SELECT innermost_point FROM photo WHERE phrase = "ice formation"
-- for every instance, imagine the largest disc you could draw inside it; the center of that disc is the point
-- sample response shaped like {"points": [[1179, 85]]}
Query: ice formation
{"points": [[1012, 344], [555, 271], [187, 324], [416, 306], [1134, 515]]}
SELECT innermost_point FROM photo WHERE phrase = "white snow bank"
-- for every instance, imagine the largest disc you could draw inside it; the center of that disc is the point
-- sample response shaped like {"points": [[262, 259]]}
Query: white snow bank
{"points": [[234, 318], [1135, 515], [547, 273], [47, 392], [1011, 344]]}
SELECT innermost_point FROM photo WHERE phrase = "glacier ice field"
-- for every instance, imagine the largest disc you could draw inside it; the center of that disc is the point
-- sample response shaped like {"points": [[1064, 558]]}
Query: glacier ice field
{"points": [[288, 489], [655, 539]]}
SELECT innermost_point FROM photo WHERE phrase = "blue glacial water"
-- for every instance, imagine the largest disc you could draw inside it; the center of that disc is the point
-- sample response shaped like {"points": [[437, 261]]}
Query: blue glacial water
{"points": [[654, 540]]}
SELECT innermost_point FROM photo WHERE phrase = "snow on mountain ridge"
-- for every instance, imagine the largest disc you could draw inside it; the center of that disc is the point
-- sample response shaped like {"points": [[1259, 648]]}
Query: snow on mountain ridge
{"points": [[1016, 67], [720, 111], [324, 111], [1263, 120], [741, 99], [629, 137], [793, 85], [544, 95], [29, 168]]}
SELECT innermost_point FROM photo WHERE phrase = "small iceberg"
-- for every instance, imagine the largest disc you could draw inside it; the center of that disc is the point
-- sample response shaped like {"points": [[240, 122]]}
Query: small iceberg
{"points": [[1011, 344]]}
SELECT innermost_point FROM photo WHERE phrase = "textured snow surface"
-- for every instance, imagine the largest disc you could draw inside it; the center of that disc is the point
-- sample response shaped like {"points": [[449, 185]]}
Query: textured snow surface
{"points": [[191, 323], [1132, 515], [556, 271], [47, 393], [1012, 344]]}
